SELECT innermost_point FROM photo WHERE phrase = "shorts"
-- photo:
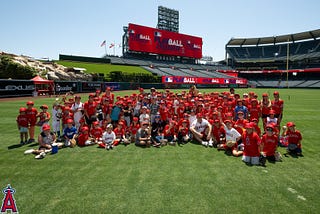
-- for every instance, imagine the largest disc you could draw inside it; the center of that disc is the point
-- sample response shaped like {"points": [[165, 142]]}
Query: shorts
{"points": [[251, 160], [23, 130]]}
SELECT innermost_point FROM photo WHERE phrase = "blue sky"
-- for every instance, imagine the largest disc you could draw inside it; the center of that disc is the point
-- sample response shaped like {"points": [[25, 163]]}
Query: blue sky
{"points": [[40, 28]]}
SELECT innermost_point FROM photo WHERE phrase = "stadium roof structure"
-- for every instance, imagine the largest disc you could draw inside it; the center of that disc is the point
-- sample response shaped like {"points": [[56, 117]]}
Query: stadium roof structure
{"points": [[272, 40]]}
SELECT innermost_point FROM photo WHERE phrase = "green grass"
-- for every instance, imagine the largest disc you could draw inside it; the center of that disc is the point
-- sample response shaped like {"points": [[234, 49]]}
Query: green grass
{"points": [[188, 179], [104, 68]]}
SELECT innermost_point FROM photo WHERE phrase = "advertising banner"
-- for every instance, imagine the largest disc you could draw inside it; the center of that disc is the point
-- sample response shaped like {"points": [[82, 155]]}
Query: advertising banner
{"points": [[11, 88], [201, 80], [153, 40]]}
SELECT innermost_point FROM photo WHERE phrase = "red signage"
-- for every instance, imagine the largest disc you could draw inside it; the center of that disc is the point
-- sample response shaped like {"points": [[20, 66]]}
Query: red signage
{"points": [[202, 80], [156, 41]]}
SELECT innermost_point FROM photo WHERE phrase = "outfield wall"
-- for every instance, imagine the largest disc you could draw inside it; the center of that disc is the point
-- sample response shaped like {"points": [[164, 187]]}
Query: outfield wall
{"points": [[19, 88]]}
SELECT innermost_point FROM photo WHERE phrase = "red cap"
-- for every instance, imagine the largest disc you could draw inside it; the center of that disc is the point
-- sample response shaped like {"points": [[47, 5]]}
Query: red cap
{"points": [[270, 126], [185, 121], [30, 103], [46, 127], [254, 120], [271, 112], [248, 126], [22, 109], [254, 101], [85, 128], [217, 121], [240, 112], [91, 95], [66, 108], [290, 124], [135, 119], [95, 123], [199, 115], [121, 123], [82, 120], [69, 121], [265, 95], [44, 107], [227, 121], [276, 93]]}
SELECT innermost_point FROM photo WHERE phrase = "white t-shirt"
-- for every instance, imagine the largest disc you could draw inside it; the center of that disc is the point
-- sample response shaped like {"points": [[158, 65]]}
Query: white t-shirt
{"points": [[200, 127], [108, 138], [192, 119], [144, 118], [77, 114], [231, 134]]}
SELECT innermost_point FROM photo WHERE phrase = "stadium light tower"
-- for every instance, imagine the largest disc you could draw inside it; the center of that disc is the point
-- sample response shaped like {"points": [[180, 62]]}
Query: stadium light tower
{"points": [[168, 19]]}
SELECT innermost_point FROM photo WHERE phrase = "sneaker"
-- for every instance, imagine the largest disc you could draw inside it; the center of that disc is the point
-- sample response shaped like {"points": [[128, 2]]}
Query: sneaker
{"points": [[210, 143], [111, 147], [107, 147], [205, 143], [29, 151], [156, 145], [21, 142], [40, 156]]}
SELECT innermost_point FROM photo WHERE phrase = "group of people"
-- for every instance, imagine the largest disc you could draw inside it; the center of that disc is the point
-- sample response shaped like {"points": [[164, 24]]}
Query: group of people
{"points": [[226, 121]]}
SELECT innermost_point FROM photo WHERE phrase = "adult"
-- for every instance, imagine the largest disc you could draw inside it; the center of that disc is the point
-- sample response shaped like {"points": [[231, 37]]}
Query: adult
{"points": [[201, 130], [89, 108], [77, 109], [277, 106]]}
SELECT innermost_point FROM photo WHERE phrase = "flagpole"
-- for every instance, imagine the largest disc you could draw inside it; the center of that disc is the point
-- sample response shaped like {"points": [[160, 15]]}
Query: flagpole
{"points": [[287, 66], [105, 49], [114, 48]]}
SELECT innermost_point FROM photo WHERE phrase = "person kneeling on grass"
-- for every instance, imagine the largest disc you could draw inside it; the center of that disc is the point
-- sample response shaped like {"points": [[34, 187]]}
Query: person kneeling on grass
{"points": [[108, 138], [294, 139], [251, 142], [269, 143], [46, 139]]}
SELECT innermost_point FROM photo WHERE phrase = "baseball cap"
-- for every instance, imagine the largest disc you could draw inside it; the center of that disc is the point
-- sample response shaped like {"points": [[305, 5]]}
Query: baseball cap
{"points": [[184, 121], [240, 112], [22, 109], [85, 128], [248, 126], [264, 95], [30, 103], [121, 123], [69, 121], [46, 127], [271, 112], [109, 126], [276, 93], [217, 121], [44, 107], [290, 124], [95, 123], [227, 121], [91, 95], [135, 119], [199, 115]]}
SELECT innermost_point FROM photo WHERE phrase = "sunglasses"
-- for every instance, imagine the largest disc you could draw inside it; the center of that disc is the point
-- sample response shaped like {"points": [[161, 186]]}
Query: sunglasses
{"points": [[269, 129]]}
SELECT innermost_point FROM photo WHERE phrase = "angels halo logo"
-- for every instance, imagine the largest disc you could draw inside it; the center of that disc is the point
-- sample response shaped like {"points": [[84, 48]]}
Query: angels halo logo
{"points": [[8, 202]]}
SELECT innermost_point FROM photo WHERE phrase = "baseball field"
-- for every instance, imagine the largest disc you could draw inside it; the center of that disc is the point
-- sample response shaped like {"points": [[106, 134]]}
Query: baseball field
{"points": [[171, 179]]}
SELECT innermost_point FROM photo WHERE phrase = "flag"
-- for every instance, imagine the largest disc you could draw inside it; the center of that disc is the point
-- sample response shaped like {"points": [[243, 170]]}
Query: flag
{"points": [[111, 45], [103, 43]]}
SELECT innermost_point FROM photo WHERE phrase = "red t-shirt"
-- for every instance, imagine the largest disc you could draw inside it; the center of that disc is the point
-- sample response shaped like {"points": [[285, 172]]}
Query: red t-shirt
{"points": [[118, 132], [277, 106], [171, 132], [23, 120], [217, 131], [270, 144], [82, 138], [66, 116], [251, 144], [32, 115], [134, 128], [294, 137], [255, 112], [96, 132], [183, 130], [90, 107]]}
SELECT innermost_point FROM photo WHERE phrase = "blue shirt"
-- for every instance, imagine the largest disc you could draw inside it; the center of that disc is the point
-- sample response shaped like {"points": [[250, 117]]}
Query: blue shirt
{"points": [[70, 132]]}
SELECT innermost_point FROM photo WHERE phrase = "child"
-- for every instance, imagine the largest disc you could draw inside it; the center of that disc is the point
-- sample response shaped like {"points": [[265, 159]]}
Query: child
{"points": [[269, 143], [56, 117], [142, 137], [108, 138], [232, 136], [120, 134], [84, 138], [69, 134], [96, 132], [294, 139], [22, 122], [67, 114], [170, 133], [251, 142], [44, 116], [32, 116], [183, 133], [134, 127]]}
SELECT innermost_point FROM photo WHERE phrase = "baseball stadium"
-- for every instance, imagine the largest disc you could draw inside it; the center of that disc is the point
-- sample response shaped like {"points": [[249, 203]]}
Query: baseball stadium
{"points": [[163, 128]]}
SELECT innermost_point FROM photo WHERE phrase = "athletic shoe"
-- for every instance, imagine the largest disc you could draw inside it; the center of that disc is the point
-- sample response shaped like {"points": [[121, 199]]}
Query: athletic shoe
{"points": [[40, 156], [21, 142], [29, 151], [205, 143], [107, 147], [172, 143], [156, 145], [210, 143], [111, 147], [30, 140]]}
